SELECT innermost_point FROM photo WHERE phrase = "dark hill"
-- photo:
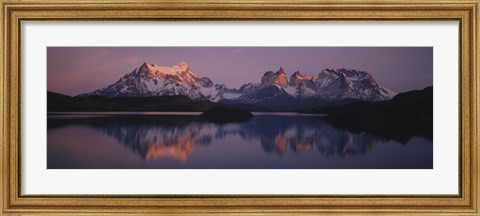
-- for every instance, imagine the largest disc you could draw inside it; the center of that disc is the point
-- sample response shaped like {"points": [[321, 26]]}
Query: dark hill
{"points": [[407, 113], [60, 103]]}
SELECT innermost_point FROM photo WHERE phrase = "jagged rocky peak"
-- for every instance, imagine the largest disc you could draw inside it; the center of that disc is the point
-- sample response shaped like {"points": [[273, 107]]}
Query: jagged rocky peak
{"points": [[296, 78], [271, 78], [183, 65], [148, 71], [205, 81], [327, 70], [349, 83], [153, 68], [331, 73], [307, 77], [351, 74], [184, 71], [267, 78], [179, 72], [281, 78], [145, 67]]}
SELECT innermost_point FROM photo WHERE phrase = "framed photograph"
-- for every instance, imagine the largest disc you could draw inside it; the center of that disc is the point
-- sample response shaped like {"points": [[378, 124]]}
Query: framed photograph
{"points": [[239, 107]]}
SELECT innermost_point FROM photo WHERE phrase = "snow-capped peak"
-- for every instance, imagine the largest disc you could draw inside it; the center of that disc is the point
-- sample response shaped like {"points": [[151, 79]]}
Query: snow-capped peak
{"points": [[183, 65], [349, 83], [180, 72], [330, 85], [153, 80]]}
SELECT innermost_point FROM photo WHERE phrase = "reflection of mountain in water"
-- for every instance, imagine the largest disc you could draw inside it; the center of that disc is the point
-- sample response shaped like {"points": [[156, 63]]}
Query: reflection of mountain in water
{"points": [[176, 137], [155, 141]]}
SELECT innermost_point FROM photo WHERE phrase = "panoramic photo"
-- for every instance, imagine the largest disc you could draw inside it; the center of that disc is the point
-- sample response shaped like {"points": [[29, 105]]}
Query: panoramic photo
{"points": [[240, 108]]}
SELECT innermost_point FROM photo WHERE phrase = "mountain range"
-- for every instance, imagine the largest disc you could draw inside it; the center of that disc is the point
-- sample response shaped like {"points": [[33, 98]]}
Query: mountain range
{"points": [[274, 89]]}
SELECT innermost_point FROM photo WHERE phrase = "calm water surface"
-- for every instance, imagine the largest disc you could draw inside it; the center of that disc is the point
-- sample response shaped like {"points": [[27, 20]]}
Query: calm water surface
{"points": [[183, 140]]}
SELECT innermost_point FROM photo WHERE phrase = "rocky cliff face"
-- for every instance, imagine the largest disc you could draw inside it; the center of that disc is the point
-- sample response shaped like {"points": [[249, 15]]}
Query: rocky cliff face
{"points": [[274, 88]]}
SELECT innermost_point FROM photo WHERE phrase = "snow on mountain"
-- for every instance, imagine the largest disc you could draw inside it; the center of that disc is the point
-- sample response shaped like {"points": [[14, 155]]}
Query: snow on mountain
{"points": [[331, 85], [350, 84], [153, 80], [274, 88]]}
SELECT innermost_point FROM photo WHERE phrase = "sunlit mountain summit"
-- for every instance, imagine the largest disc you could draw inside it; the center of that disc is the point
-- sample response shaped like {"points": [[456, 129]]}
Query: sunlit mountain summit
{"points": [[275, 89]]}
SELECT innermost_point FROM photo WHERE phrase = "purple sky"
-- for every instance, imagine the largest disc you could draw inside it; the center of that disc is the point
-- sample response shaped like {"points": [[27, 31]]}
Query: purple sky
{"points": [[75, 70]]}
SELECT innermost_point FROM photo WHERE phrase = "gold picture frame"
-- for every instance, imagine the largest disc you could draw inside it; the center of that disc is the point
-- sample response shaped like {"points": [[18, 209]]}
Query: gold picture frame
{"points": [[15, 12]]}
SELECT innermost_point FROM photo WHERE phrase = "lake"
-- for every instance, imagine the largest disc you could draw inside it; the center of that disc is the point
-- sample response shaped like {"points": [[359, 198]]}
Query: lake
{"points": [[185, 141]]}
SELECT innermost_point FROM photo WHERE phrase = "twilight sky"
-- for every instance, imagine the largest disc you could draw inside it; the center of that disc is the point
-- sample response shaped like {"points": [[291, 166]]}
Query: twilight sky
{"points": [[75, 70]]}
